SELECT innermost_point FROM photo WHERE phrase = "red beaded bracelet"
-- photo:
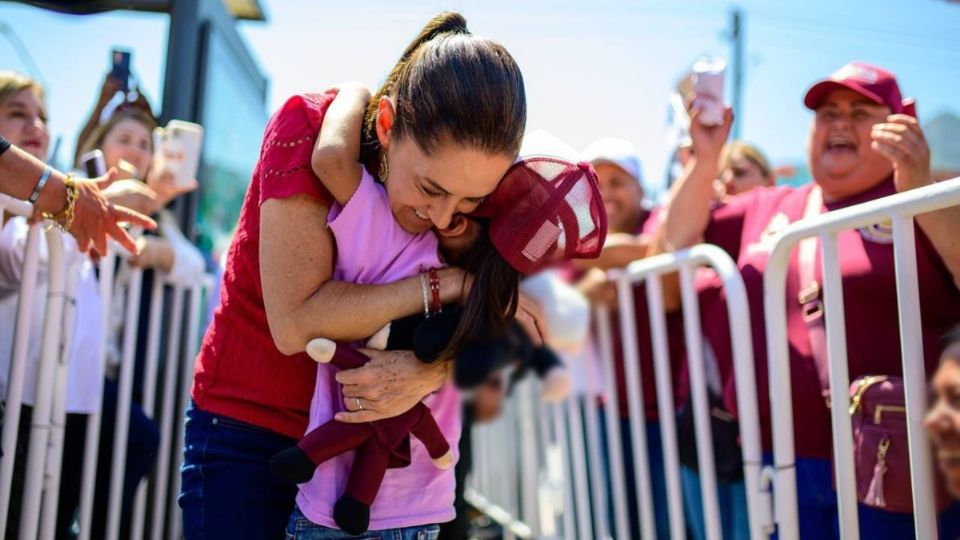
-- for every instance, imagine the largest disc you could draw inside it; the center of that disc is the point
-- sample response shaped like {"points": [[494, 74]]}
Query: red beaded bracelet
{"points": [[435, 306]]}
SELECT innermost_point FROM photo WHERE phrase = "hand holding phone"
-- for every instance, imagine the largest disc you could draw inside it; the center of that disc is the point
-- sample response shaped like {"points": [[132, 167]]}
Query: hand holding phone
{"points": [[708, 76], [120, 69], [177, 152]]}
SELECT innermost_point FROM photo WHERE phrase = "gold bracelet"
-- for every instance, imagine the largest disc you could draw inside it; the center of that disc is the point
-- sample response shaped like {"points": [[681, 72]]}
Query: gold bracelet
{"points": [[64, 218]]}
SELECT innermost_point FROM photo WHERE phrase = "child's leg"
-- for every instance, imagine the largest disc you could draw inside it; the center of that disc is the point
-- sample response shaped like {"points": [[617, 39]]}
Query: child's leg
{"points": [[352, 511], [297, 465]]}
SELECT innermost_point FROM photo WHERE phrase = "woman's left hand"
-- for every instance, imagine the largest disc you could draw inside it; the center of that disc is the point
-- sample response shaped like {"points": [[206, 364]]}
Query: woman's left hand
{"points": [[390, 384], [901, 140]]}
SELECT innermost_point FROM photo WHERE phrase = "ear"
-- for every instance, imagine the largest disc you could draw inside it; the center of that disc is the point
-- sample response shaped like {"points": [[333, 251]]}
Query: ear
{"points": [[386, 113]]}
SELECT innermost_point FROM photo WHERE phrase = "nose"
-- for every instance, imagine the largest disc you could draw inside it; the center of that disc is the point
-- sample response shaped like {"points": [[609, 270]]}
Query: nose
{"points": [[937, 420], [441, 213]]}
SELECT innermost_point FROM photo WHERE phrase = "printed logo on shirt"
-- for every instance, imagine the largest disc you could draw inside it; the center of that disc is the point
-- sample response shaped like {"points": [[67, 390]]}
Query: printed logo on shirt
{"points": [[878, 233], [769, 235]]}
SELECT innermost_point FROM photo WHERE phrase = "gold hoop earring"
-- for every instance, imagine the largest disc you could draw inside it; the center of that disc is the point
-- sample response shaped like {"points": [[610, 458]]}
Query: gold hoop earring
{"points": [[384, 168]]}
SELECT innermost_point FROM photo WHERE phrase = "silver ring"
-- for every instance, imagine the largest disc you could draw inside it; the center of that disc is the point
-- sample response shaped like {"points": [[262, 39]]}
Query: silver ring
{"points": [[360, 405]]}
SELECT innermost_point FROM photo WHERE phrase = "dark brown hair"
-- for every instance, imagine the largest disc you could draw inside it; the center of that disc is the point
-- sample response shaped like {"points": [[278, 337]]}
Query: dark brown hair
{"points": [[451, 84]]}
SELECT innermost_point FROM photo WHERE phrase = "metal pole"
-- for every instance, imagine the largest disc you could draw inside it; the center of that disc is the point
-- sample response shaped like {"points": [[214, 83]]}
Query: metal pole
{"points": [[51, 496], [839, 389], [914, 376], [638, 432], [149, 393], [164, 455], [92, 443], [18, 361], [665, 404], [49, 353], [612, 416], [124, 401]]}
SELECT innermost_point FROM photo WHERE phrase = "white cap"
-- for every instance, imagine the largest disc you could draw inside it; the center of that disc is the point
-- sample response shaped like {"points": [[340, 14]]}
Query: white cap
{"points": [[539, 142], [616, 151], [566, 310]]}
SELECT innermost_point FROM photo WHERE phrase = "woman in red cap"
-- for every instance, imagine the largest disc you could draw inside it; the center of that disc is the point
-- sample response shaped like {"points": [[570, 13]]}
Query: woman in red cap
{"points": [[864, 143]]}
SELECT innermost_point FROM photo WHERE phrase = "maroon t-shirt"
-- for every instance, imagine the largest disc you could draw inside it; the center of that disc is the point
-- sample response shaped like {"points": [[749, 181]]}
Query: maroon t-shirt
{"points": [[240, 373], [870, 301]]}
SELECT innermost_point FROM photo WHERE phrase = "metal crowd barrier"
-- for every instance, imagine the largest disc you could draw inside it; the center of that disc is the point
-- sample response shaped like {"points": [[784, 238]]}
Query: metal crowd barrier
{"points": [[901, 209], [165, 402], [562, 483]]}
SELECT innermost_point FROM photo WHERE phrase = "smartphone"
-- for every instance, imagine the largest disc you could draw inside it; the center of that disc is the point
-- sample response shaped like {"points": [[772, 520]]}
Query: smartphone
{"points": [[93, 164], [177, 150], [121, 68], [708, 76]]}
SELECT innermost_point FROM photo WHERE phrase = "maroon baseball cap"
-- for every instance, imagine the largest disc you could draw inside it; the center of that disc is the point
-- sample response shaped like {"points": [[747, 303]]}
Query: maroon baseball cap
{"points": [[545, 210], [872, 82]]}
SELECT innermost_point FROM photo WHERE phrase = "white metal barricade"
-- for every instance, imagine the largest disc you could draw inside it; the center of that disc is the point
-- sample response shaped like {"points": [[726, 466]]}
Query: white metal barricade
{"points": [[687, 262], [900, 208], [154, 511], [572, 429]]}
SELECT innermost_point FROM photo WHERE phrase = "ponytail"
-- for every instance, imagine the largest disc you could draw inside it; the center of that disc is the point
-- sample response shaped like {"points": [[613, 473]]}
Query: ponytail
{"points": [[448, 22]]}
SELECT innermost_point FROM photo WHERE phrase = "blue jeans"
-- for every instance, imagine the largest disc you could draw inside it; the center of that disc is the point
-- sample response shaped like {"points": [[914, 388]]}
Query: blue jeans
{"points": [[817, 504], [732, 499], [301, 528], [227, 489]]}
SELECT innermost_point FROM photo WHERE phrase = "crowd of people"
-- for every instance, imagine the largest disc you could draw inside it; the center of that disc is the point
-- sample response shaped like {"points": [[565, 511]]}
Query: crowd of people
{"points": [[404, 222]]}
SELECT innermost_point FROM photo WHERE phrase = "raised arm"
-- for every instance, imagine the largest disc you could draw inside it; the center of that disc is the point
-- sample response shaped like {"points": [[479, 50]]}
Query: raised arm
{"points": [[901, 140], [336, 154]]}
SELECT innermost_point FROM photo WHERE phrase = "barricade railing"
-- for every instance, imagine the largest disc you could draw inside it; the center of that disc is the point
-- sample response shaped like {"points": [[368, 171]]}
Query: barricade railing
{"points": [[175, 332], [900, 209], [572, 495]]}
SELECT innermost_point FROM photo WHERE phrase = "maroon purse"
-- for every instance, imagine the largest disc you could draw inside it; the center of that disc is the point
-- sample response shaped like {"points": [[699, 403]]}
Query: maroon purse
{"points": [[881, 452]]}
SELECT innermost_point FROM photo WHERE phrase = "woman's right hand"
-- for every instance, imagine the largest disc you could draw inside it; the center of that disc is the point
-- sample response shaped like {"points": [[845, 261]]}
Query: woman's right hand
{"points": [[96, 219], [708, 141]]}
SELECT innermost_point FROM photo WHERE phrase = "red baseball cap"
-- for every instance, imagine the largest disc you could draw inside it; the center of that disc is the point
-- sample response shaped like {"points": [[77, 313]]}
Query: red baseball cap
{"points": [[871, 82], [546, 209]]}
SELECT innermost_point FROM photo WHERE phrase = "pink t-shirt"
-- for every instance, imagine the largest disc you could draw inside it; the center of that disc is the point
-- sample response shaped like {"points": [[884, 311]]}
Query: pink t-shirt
{"points": [[371, 249]]}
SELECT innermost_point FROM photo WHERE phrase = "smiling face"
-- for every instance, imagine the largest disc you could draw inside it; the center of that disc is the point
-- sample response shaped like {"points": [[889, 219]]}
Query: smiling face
{"points": [[739, 175], [428, 190], [130, 141], [943, 420], [841, 159], [23, 122], [622, 197]]}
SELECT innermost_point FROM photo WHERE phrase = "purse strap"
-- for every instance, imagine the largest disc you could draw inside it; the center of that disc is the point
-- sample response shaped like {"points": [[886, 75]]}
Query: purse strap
{"points": [[809, 295]]}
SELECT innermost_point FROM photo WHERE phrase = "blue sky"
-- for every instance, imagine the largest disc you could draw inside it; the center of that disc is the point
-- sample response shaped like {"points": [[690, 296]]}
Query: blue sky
{"points": [[592, 68]]}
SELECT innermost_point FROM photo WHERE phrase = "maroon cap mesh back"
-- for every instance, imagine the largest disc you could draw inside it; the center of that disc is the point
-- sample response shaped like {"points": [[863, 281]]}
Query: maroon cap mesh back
{"points": [[546, 209]]}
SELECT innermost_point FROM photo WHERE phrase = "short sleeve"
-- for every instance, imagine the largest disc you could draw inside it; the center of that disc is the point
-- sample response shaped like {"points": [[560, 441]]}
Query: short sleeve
{"points": [[284, 167]]}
